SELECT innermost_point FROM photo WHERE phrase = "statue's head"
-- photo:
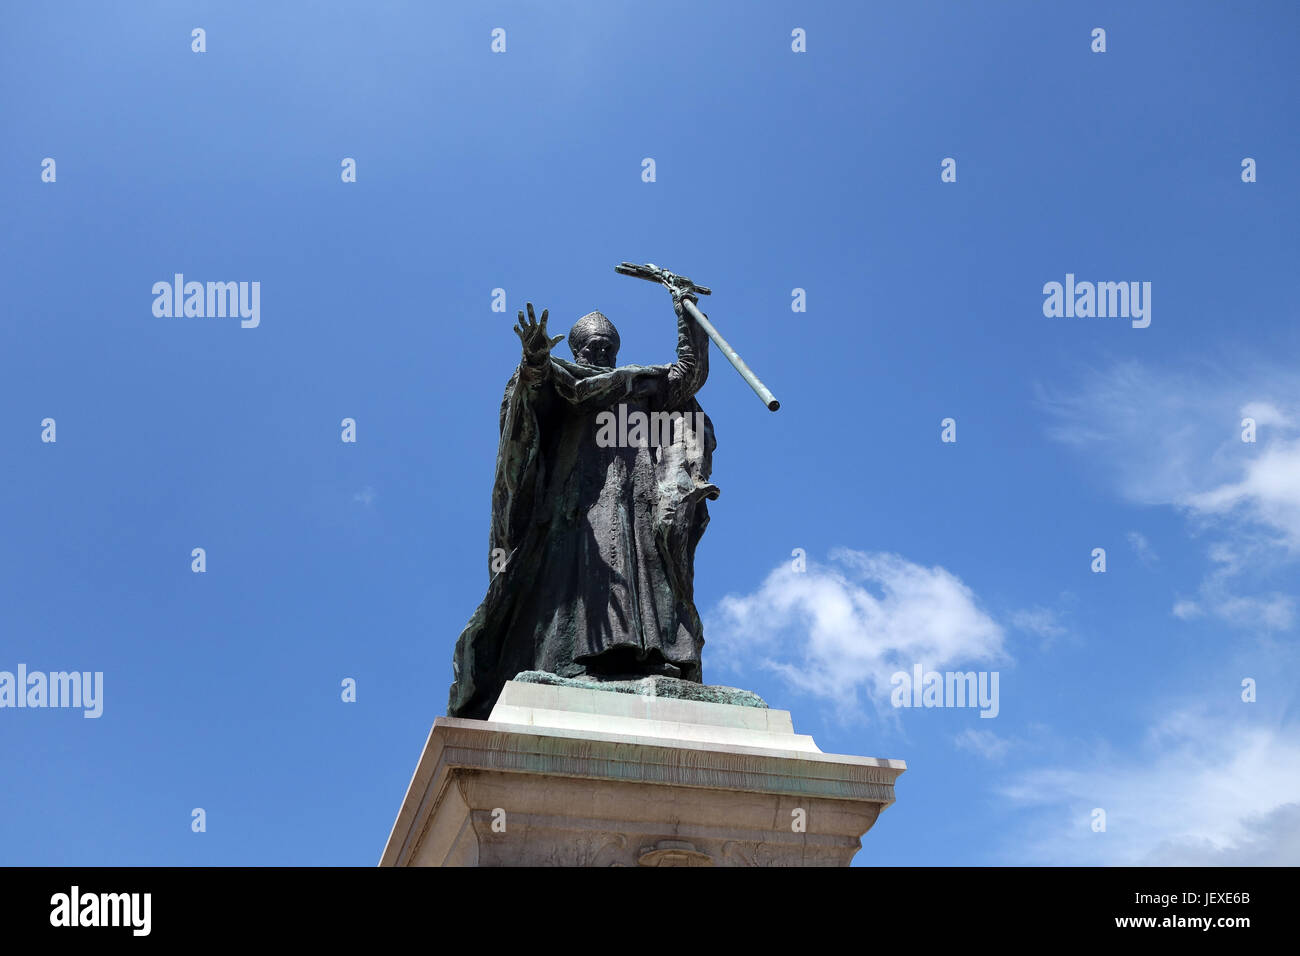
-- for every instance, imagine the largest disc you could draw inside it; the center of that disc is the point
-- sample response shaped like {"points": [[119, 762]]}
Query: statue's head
{"points": [[594, 341]]}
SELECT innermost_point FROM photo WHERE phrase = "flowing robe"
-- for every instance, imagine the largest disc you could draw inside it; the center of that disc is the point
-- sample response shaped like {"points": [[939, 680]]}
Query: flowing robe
{"points": [[599, 542]]}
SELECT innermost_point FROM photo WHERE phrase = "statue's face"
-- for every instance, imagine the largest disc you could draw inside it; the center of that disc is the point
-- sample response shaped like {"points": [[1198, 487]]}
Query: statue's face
{"points": [[598, 351]]}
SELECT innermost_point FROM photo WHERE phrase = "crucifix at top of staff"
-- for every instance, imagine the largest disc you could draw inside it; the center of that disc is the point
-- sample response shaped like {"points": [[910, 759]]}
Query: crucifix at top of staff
{"points": [[681, 285]]}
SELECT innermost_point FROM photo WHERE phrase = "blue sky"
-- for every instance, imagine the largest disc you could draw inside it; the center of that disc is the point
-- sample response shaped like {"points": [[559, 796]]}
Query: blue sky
{"points": [[775, 170]]}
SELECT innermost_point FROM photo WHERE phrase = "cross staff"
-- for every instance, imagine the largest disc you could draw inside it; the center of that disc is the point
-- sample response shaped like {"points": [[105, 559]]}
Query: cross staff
{"points": [[681, 286]]}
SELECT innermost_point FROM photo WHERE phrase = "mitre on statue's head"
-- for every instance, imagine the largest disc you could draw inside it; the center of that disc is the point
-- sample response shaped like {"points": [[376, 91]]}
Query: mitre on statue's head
{"points": [[590, 325]]}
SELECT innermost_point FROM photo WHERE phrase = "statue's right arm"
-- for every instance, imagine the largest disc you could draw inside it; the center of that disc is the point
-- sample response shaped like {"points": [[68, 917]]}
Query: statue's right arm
{"points": [[536, 365]]}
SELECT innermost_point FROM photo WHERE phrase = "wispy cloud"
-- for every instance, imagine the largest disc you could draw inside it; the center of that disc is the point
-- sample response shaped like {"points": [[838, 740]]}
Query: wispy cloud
{"points": [[983, 742], [837, 629], [1175, 439], [1038, 621], [1266, 839], [1142, 548], [1207, 788]]}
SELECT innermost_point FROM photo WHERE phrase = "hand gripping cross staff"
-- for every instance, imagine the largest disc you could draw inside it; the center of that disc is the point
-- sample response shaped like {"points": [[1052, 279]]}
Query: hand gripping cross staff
{"points": [[685, 291]]}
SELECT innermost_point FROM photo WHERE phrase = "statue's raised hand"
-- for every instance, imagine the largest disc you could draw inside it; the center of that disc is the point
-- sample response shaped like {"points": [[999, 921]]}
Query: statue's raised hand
{"points": [[682, 291], [532, 333]]}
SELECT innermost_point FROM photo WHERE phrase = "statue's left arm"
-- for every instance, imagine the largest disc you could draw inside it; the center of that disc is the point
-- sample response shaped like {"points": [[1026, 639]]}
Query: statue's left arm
{"points": [[688, 374]]}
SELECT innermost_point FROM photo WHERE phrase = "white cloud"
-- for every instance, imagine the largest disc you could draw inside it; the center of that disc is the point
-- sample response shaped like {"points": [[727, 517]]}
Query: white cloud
{"points": [[1201, 788], [365, 496], [844, 627], [1266, 494], [1173, 438]]}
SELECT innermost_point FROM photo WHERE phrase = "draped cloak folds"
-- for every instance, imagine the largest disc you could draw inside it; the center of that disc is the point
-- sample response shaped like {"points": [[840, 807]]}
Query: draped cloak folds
{"points": [[599, 542]]}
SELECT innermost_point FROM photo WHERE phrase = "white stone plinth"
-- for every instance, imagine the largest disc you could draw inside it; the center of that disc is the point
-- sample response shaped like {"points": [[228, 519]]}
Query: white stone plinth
{"points": [[564, 776]]}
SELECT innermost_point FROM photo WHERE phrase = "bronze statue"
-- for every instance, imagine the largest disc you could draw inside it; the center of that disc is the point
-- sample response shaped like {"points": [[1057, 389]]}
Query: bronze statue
{"points": [[594, 527]]}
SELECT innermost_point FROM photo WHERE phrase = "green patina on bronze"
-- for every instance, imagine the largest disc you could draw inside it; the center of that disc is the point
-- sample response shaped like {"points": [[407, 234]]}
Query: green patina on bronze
{"points": [[654, 686]]}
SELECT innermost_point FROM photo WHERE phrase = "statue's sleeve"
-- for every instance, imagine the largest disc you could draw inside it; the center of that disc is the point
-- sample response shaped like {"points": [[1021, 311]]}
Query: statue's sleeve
{"points": [[519, 467], [687, 375]]}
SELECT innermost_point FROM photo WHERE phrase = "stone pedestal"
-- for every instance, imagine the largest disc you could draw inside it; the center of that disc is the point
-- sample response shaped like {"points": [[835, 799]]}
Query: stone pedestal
{"points": [[564, 776]]}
